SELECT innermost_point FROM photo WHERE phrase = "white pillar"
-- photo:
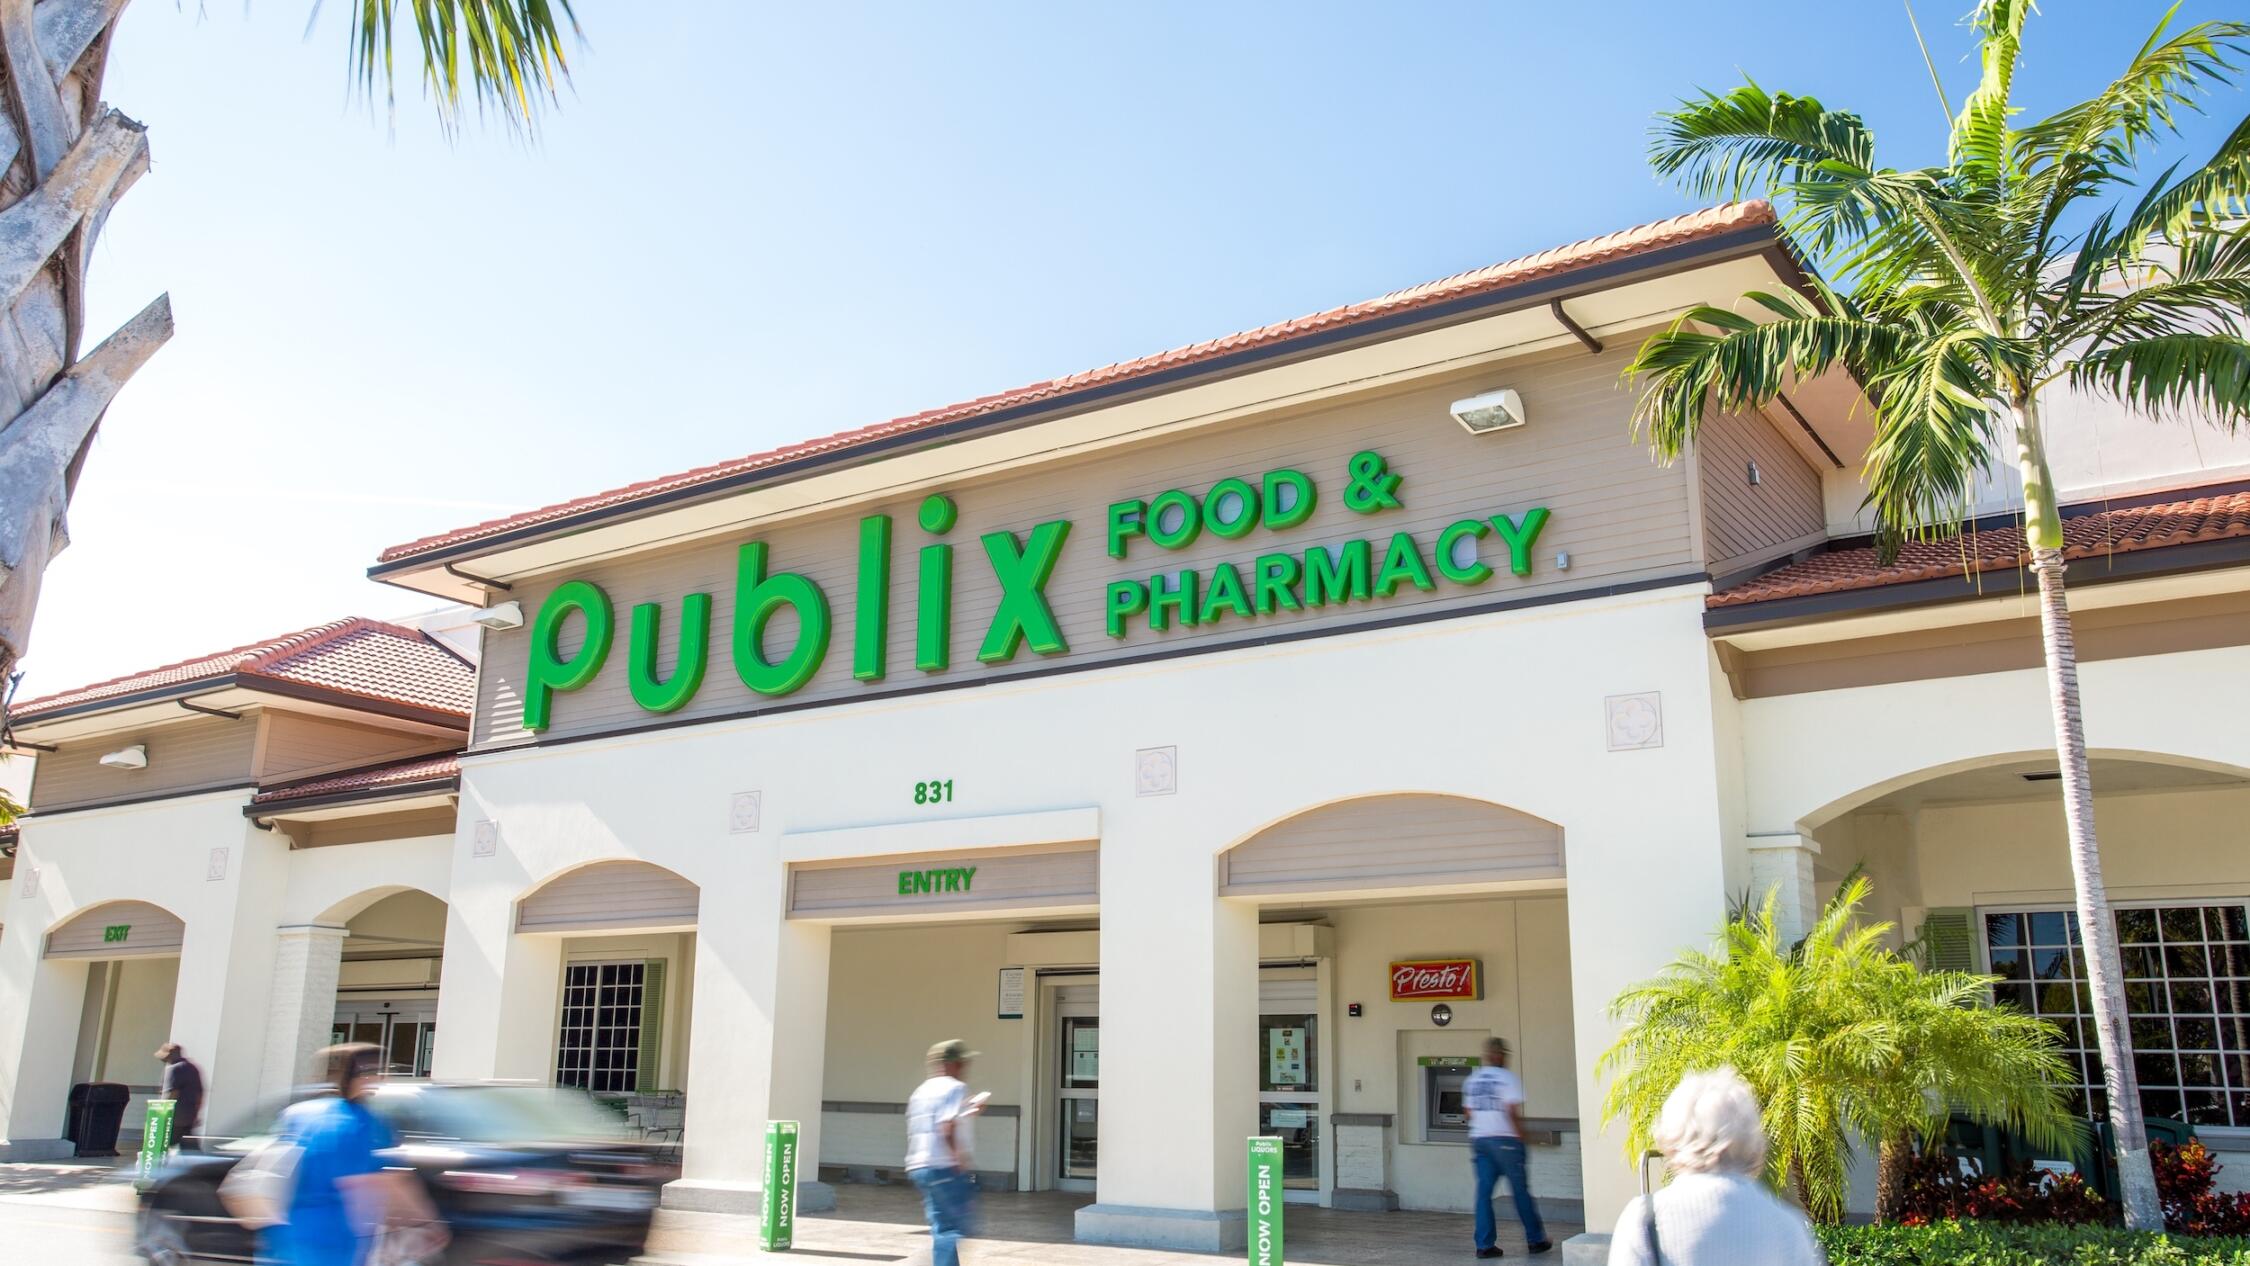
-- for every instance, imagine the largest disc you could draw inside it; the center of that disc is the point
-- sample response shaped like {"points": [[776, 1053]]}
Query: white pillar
{"points": [[40, 1001], [498, 1007], [1179, 1076], [1783, 865], [758, 1044], [308, 958]]}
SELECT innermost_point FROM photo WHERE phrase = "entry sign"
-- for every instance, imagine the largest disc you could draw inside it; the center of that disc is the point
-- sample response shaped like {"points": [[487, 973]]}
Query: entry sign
{"points": [[778, 1211], [1265, 1202], [156, 1138]]}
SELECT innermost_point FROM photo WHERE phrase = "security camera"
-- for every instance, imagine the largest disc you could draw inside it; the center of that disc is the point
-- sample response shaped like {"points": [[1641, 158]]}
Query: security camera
{"points": [[1491, 411], [134, 757], [505, 615]]}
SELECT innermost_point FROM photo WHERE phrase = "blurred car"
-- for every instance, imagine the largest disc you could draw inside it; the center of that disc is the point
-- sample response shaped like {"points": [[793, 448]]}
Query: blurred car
{"points": [[520, 1173]]}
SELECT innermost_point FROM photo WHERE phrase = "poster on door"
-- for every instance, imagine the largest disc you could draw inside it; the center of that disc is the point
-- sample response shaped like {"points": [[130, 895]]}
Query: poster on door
{"points": [[1285, 1057], [1085, 1053]]}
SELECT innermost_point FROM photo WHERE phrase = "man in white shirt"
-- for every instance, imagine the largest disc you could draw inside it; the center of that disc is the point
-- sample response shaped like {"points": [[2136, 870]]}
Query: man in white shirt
{"points": [[1494, 1098], [938, 1146]]}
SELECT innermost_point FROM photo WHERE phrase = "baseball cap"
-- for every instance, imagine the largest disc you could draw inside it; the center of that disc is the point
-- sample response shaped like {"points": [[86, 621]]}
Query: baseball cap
{"points": [[951, 1049]]}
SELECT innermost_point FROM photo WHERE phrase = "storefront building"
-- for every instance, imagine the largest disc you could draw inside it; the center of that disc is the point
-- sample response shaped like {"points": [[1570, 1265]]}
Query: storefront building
{"points": [[1226, 743]]}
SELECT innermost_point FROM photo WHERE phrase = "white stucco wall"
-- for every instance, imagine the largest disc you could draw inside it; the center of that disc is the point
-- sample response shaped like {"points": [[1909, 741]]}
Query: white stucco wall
{"points": [[1506, 708]]}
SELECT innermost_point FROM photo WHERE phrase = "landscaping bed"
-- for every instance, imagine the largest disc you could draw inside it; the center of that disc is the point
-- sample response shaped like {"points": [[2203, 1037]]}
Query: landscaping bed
{"points": [[2002, 1244]]}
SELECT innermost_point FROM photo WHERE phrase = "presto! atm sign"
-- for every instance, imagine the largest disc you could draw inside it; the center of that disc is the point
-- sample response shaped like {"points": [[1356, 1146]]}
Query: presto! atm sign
{"points": [[1433, 979]]}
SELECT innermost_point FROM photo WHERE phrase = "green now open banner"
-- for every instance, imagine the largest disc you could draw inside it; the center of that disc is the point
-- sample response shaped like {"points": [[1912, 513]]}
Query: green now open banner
{"points": [[1265, 1202], [156, 1138], [778, 1209]]}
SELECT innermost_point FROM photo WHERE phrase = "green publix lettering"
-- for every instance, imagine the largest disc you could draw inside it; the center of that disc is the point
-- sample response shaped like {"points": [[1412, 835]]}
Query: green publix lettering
{"points": [[782, 620]]}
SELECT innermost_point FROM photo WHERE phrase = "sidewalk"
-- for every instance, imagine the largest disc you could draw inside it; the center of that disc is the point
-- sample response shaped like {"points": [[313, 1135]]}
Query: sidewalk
{"points": [[884, 1224]]}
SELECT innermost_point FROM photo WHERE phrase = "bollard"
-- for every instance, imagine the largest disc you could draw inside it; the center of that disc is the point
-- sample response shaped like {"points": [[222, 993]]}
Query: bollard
{"points": [[778, 1208], [1265, 1202]]}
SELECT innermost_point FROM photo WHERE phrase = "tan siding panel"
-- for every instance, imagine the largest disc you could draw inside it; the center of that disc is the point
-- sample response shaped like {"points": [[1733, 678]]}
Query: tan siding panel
{"points": [[1395, 841], [1745, 523], [610, 896], [149, 931], [189, 755], [297, 746], [1069, 877], [1619, 516]]}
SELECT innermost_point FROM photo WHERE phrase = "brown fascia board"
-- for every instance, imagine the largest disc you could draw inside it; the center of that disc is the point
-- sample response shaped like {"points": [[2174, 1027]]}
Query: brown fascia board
{"points": [[250, 681], [270, 809], [2140, 564], [1762, 240]]}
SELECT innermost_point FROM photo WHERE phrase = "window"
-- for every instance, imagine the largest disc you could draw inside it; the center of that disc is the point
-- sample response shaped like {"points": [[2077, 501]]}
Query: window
{"points": [[600, 1046], [2187, 998]]}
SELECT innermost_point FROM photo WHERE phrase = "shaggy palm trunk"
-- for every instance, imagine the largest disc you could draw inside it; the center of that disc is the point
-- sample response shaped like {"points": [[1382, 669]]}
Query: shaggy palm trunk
{"points": [[66, 160], [2105, 971], [1890, 1176]]}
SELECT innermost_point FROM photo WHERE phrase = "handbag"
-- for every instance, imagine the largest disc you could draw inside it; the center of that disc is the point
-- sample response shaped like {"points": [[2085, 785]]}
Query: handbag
{"points": [[256, 1191], [1648, 1206]]}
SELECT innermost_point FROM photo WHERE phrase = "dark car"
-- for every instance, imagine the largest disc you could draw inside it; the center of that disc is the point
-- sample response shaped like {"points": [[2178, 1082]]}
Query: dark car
{"points": [[520, 1174]]}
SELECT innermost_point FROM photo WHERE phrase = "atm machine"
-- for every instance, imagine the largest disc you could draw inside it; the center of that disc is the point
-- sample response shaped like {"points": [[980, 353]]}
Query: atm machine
{"points": [[1445, 1114]]}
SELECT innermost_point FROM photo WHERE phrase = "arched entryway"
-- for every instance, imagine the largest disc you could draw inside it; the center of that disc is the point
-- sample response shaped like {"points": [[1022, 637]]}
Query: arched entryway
{"points": [[129, 955], [1397, 932], [1971, 861]]}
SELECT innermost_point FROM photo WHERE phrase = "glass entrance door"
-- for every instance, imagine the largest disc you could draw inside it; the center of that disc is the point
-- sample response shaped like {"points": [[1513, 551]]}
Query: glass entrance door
{"points": [[404, 1031], [1078, 1092], [1289, 1094]]}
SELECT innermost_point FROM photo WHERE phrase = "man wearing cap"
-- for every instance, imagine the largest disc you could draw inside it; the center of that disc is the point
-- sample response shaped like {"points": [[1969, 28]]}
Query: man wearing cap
{"points": [[938, 1149], [1494, 1098]]}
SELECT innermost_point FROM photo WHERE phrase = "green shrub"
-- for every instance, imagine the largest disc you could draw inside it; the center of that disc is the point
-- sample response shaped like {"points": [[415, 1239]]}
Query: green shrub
{"points": [[1988, 1244]]}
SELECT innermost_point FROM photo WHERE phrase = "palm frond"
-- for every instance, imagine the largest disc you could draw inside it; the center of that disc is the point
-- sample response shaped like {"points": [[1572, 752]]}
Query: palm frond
{"points": [[506, 55], [1711, 358], [2174, 376], [1979, 145]]}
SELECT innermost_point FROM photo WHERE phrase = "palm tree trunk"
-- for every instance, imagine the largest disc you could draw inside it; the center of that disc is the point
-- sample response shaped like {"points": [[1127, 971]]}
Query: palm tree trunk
{"points": [[65, 160], [2105, 971], [1890, 1176]]}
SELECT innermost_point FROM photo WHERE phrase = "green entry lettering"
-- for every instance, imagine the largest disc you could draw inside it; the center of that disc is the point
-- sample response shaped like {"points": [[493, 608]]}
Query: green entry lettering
{"points": [[919, 883]]}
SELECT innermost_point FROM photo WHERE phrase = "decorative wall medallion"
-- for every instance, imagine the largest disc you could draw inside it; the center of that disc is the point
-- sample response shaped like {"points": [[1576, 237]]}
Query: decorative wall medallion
{"points": [[216, 869], [1156, 771], [1635, 721], [742, 817], [486, 841]]}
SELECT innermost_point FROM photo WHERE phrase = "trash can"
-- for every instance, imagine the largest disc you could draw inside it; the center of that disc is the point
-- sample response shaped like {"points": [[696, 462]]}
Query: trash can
{"points": [[96, 1112]]}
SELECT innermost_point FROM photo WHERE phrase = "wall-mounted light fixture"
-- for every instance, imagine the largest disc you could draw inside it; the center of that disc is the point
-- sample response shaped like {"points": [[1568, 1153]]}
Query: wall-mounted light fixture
{"points": [[134, 757], [501, 615], [1492, 411]]}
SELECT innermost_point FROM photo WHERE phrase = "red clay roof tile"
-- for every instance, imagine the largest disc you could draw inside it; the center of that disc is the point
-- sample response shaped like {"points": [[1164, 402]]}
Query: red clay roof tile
{"points": [[1694, 226], [372, 778], [362, 657], [2089, 535]]}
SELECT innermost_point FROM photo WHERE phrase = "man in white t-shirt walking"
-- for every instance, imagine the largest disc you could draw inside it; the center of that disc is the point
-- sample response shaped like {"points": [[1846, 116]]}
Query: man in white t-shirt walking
{"points": [[938, 1149], [1494, 1098]]}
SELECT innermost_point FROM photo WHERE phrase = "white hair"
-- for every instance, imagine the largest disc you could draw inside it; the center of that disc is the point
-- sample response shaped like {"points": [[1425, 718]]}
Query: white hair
{"points": [[1711, 1122]]}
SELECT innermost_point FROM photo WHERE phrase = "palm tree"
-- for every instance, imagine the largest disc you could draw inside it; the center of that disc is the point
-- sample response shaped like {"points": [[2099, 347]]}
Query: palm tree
{"points": [[1957, 294], [1836, 1034], [67, 159]]}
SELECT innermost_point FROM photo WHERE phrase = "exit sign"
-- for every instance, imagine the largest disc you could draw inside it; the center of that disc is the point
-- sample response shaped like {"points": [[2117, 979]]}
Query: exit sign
{"points": [[116, 933]]}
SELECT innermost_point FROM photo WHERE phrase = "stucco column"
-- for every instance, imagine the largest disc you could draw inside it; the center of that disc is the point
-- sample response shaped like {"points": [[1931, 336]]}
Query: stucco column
{"points": [[497, 1005], [1647, 880], [40, 1001], [307, 960], [222, 1002], [757, 1047], [1179, 1092], [1783, 865]]}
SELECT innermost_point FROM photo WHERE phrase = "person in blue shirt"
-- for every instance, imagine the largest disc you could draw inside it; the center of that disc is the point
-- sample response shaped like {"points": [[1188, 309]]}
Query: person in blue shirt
{"points": [[342, 1194], [1494, 1098]]}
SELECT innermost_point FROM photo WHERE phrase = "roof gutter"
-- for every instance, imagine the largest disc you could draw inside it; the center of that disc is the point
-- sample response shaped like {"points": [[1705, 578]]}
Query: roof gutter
{"points": [[1751, 240], [180, 692], [262, 812]]}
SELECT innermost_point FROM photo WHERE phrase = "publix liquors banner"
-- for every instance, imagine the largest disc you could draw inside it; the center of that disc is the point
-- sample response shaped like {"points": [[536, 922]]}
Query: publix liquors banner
{"points": [[778, 1223], [1265, 1202], [1270, 579]]}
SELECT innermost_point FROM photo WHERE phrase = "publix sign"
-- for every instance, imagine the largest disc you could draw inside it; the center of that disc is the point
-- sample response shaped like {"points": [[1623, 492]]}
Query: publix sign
{"points": [[1135, 533]]}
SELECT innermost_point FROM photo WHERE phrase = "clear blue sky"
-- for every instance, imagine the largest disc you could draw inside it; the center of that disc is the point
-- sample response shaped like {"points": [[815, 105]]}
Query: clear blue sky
{"points": [[754, 223]]}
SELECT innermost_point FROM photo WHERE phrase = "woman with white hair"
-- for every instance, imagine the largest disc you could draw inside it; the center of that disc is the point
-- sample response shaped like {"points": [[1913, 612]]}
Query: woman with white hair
{"points": [[1715, 1211]]}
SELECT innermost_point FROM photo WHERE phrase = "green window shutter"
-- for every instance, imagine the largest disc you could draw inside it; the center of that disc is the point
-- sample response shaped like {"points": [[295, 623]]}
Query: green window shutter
{"points": [[1947, 938], [652, 1026]]}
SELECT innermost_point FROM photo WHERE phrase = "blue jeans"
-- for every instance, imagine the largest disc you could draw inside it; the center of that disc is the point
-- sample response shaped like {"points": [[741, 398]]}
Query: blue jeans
{"points": [[949, 1201], [1499, 1158]]}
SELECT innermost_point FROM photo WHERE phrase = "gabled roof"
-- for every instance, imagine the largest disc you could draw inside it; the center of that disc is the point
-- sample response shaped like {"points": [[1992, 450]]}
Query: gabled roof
{"points": [[442, 771], [1610, 248], [2091, 533], [351, 659]]}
